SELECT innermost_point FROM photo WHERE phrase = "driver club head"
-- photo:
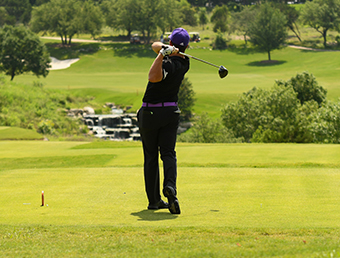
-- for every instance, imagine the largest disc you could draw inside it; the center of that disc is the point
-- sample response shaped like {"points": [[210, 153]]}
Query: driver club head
{"points": [[222, 71]]}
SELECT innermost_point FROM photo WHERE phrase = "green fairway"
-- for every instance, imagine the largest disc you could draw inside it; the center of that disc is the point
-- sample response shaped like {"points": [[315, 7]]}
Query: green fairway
{"points": [[237, 200], [118, 74]]}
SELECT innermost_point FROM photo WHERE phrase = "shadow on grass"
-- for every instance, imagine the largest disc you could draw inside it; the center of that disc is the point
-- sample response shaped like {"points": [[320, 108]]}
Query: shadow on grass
{"points": [[133, 51], [152, 215], [75, 50], [266, 63], [243, 50]]}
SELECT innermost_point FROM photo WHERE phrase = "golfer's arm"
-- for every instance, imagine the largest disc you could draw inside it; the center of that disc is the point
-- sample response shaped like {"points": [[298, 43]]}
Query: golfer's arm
{"points": [[156, 70], [157, 46]]}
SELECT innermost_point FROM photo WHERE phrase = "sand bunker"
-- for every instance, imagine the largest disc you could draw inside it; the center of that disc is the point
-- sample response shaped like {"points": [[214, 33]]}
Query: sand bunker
{"points": [[61, 64]]}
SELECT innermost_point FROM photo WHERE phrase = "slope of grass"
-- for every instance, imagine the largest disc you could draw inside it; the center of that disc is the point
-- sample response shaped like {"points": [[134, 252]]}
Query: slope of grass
{"points": [[15, 133]]}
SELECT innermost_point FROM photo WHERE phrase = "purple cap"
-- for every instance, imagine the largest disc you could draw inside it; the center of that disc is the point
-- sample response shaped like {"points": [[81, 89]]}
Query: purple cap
{"points": [[180, 37]]}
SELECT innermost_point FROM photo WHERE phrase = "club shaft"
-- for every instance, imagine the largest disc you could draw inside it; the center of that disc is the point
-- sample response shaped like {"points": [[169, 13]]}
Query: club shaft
{"points": [[184, 54]]}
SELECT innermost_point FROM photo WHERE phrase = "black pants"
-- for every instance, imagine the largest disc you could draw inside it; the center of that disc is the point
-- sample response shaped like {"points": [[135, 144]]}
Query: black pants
{"points": [[158, 129]]}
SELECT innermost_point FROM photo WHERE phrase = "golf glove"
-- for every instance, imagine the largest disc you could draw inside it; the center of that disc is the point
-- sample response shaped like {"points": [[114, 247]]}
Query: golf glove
{"points": [[168, 50]]}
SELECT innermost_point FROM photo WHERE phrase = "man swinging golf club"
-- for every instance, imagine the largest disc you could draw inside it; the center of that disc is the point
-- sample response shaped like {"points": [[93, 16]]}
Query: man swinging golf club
{"points": [[159, 118]]}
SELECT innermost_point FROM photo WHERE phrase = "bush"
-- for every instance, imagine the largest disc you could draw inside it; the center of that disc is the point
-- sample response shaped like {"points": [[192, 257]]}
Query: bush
{"points": [[207, 130], [220, 42]]}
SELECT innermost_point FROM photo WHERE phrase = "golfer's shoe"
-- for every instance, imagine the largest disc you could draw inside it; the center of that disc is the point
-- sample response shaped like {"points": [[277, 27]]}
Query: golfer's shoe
{"points": [[160, 205], [170, 193]]}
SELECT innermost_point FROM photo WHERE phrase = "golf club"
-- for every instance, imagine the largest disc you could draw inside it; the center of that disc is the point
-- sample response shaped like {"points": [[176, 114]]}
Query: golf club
{"points": [[222, 71]]}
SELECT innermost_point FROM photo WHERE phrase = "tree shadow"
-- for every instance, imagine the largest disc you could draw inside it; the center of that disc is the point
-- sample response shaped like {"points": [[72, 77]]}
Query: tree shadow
{"points": [[154, 215], [243, 50], [74, 50], [267, 63], [126, 50]]}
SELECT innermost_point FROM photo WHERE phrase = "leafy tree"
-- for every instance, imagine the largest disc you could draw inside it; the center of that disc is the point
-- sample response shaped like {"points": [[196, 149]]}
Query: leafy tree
{"points": [[92, 18], [186, 99], [5, 18], [322, 15], [172, 16], [202, 17], [62, 17], [22, 51], [220, 18], [242, 20], [292, 16], [20, 10], [149, 14], [188, 13], [306, 87], [121, 14], [268, 31]]}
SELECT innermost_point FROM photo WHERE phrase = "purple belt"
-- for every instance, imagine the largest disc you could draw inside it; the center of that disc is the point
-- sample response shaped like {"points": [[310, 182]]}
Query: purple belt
{"points": [[162, 104]]}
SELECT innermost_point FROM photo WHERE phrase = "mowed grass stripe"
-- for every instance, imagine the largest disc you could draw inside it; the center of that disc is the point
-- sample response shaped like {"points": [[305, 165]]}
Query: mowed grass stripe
{"points": [[56, 162], [279, 198], [130, 154]]}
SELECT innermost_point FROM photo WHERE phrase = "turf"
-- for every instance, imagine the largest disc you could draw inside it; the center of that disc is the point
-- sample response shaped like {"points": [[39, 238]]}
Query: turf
{"points": [[15, 133], [237, 200]]}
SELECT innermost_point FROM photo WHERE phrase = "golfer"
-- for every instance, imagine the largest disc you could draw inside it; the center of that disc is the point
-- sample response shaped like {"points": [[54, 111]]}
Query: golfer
{"points": [[159, 118]]}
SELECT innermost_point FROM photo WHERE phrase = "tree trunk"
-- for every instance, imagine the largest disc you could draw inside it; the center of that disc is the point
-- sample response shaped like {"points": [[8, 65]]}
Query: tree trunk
{"points": [[245, 39], [12, 74], [324, 35], [269, 55]]}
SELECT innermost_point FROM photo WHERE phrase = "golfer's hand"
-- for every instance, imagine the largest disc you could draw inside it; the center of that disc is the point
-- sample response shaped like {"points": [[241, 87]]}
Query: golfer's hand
{"points": [[168, 50]]}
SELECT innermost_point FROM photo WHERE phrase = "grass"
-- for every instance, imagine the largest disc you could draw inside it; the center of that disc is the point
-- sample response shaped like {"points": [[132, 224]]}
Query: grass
{"points": [[237, 200], [16, 133]]}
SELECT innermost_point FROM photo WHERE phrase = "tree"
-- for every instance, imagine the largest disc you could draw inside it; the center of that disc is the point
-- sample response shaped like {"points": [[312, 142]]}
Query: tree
{"points": [[149, 14], [322, 15], [242, 20], [268, 31], [188, 13], [202, 17], [20, 10], [220, 18], [186, 99], [62, 17], [306, 87], [22, 51], [5, 18], [92, 18], [292, 16]]}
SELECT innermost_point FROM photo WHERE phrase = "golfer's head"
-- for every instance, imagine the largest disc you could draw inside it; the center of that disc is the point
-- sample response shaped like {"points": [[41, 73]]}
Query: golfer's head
{"points": [[180, 38]]}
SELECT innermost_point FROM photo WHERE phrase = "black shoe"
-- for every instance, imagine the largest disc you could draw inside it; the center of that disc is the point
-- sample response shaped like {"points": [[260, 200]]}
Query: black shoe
{"points": [[160, 205], [170, 193]]}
